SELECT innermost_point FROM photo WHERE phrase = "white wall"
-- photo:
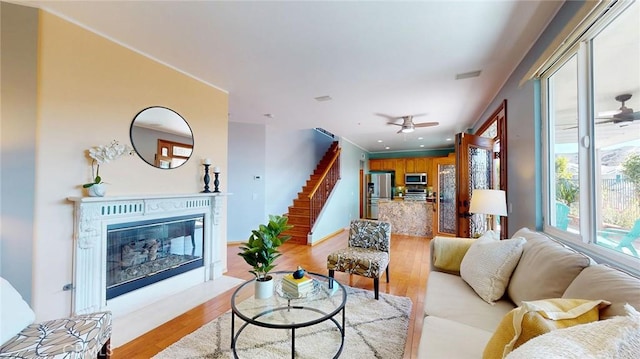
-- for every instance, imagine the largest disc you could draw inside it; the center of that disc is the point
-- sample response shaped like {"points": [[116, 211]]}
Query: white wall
{"points": [[88, 89], [247, 159], [18, 92], [524, 170], [291, 157]]}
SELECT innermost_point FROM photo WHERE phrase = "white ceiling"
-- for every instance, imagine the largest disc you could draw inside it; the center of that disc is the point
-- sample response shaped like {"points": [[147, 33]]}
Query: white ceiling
{"points": [[387, 57]]}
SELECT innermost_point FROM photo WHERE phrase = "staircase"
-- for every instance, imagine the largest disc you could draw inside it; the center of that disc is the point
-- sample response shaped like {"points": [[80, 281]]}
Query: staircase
{"points": [[307, 206]]}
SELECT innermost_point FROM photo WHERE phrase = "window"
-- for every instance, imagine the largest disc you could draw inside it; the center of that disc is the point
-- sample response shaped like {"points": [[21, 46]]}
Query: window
{"points": [[591, 100]]}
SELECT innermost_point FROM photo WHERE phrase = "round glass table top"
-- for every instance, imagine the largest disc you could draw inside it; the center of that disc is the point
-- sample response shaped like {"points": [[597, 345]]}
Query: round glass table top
{"points": [[281, 310]]}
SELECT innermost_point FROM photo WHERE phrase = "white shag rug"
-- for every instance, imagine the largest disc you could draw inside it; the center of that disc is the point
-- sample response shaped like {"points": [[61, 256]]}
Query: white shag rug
{"points": [[374, 329]]}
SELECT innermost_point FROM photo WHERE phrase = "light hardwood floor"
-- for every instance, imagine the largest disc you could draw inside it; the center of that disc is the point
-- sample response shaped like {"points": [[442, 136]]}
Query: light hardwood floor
{"points": [[407, 273]]}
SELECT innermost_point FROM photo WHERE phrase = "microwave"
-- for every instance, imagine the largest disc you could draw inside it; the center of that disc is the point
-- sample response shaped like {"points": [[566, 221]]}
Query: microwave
{"points": [[415, 178]]}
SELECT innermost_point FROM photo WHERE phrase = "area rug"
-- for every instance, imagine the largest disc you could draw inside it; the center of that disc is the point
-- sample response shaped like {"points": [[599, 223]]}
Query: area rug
{"points": [[374, 329]]}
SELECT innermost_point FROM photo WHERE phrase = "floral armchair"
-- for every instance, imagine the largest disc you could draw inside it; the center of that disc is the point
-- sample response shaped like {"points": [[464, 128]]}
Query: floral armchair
{"points": [[367, 254]]}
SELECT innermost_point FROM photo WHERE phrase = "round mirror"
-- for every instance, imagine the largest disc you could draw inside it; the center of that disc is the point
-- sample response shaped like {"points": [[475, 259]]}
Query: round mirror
{"points": [[161, 137]]}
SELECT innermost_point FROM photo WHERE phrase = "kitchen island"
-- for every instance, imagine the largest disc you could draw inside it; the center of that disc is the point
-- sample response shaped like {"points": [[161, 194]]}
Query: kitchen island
{"points": [[414, 218]]}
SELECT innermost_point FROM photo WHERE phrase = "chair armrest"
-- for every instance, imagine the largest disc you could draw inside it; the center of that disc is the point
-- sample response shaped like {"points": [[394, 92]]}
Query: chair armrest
{"points": [[613, 232], [447, 252]]}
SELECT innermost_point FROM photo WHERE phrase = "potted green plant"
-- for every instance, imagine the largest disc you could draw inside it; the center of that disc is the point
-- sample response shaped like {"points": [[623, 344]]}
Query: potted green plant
{"points": [[261, 250]]}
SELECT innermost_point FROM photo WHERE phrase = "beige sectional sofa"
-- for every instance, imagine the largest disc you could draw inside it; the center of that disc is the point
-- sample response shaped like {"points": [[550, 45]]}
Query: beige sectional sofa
{"points": [[458, 323]]}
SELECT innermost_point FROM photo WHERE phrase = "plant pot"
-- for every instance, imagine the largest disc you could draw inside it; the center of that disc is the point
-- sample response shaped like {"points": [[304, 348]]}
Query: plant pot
{"points": [[264, 288], [97, 190]]}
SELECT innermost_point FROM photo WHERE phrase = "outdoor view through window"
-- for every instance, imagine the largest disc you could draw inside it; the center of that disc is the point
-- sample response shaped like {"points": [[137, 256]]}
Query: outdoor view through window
{"points": [[593, 136]]}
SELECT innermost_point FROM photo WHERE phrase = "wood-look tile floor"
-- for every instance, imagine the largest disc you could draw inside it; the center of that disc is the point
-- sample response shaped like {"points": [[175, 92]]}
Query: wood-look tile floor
{"points": [[407, 272]]}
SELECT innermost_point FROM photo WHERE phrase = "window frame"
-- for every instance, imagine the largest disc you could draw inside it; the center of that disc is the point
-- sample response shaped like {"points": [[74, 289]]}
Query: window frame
{"points": [[584, 241]]}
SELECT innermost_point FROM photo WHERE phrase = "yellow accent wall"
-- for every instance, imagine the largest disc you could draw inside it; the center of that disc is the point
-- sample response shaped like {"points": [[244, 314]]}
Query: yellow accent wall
{"points": [[89, 90]]}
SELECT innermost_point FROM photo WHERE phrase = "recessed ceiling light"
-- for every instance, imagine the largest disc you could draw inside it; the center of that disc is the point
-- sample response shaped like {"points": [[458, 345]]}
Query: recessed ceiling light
{"points": [[269, 115], [379, 141], [323, 98], [421, 138], [387, 147], [421, 145], [468, 75], [448, 139]]}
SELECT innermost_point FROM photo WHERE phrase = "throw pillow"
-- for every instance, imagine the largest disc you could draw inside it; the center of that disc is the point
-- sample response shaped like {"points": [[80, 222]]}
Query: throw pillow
{"points": [[448, 252], [545, 270], [488, 265], [532, 319], [15, 312], [600, 281], [618, 337]]}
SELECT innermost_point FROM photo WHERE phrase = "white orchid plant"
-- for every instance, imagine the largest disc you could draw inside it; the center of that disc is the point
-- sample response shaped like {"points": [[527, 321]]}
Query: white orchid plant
{"points": [[104, 154]]}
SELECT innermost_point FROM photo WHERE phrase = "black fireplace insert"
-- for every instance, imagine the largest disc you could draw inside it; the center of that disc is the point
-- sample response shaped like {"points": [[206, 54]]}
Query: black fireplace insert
{"points": [[145, 252]]}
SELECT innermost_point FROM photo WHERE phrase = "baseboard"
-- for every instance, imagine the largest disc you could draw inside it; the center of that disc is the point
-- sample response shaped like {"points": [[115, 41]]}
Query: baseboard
{"points": [[328, 236]]}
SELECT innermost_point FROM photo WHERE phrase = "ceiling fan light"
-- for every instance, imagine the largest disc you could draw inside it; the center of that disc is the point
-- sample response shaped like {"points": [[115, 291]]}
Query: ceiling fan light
{"points": [[407, 129]]}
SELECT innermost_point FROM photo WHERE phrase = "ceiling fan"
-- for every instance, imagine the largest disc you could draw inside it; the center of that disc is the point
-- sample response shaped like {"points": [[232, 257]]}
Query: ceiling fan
{"points": [[622, 115], [407, 123]]}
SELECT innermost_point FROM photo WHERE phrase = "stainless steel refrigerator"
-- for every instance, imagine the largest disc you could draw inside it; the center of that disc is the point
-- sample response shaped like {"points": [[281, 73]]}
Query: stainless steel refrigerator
{"points": [[378, 186]]}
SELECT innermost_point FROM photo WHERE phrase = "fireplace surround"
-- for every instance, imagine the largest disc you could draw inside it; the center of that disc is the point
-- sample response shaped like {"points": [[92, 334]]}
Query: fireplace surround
{"points": [[121, 243]]}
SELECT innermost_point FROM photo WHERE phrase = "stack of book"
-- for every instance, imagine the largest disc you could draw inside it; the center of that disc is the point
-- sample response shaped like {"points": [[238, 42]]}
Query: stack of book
{"points": [[297, 287]]}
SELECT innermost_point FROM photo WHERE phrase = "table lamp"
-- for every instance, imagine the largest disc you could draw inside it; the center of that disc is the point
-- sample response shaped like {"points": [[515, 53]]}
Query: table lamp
{"points": [[490, 202]]}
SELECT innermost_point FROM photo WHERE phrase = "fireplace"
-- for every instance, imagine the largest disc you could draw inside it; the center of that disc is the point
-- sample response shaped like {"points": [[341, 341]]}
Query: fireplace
{"points": [[145, 252], [131, 251]]}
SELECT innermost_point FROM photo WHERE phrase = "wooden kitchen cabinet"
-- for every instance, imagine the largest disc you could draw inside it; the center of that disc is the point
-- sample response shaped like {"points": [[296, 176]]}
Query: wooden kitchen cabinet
{"points": [[410, 165], [400, 171], [375, 165], [417, 165], [382, 164], [389, 164], [402, 166], [423, 165]]}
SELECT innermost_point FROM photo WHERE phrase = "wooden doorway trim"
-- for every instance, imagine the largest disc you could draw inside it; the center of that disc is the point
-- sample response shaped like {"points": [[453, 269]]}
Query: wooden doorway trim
{"points": [[500, 117], [471, 152]]}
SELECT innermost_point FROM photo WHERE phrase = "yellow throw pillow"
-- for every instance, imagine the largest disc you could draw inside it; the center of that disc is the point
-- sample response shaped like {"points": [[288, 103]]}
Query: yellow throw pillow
{"points": [[538, 317], [448, 252]]}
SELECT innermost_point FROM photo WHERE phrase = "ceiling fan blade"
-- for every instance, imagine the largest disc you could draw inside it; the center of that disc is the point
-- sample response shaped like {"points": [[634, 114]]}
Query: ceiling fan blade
{"points": [[610, 113], [419, 114], [396, 124], [388, 117], [399, 131], [426, 124]]}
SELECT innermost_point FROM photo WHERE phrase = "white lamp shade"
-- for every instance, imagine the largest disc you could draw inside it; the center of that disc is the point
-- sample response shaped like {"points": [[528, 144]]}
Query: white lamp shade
{"points": [[488, 201]]}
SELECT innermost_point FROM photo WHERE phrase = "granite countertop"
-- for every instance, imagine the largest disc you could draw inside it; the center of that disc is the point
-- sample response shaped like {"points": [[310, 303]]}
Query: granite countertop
{"points": [[411, 217]]}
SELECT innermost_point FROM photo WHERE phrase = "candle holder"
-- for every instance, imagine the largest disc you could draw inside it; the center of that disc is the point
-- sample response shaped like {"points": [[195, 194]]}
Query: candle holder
{"points": [[207, 178], [216, 183]]}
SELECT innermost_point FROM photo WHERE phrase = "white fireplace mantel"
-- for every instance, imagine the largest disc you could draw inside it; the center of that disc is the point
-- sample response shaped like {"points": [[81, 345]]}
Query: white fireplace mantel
{"points": [[92, 215]]}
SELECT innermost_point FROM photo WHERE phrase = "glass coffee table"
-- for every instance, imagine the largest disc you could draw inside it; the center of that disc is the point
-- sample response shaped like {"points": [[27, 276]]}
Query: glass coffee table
{"points": [[283, 311]]}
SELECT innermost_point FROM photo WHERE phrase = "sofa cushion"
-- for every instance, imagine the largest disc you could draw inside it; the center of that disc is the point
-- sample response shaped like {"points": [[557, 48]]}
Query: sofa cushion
{"points": [[81, 336], [618, 337], [448, 253], [14, 311], [539, 317], [600, 281], [488, 265], [447, 339], [449, 297], [545, 270]]}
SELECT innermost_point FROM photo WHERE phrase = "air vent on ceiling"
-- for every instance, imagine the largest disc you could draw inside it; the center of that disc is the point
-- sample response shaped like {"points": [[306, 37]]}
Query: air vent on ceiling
{"points": [[468, 75], [323, 98], [325, 132]]}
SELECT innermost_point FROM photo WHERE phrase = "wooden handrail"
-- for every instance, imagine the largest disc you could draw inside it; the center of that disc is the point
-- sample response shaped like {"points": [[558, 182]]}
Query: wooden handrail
{"points": [[322, 189], [336, 155]]}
